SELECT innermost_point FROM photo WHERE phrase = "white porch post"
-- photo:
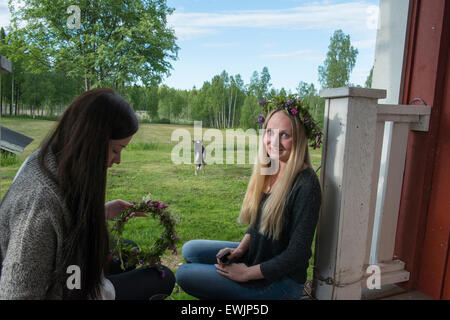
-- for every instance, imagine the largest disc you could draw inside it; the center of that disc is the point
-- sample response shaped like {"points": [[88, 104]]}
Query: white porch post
{"points": [[347, 174]]}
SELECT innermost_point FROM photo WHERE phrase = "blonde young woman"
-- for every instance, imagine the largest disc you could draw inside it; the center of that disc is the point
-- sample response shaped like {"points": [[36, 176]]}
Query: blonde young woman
{"points": [[281, 206]]}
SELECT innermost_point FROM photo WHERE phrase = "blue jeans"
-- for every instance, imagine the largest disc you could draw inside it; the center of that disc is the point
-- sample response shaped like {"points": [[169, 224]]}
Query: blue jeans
{"points": [[199, 278]]}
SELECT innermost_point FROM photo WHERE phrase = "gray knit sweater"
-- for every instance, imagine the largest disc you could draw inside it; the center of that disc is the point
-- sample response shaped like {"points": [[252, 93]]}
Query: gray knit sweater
{"points": [[33, 224]]}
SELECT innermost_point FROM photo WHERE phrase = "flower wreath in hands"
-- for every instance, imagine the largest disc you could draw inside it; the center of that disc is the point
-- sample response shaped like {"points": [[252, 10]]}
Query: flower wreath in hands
{"points": [[145, 256], [293, 106]]}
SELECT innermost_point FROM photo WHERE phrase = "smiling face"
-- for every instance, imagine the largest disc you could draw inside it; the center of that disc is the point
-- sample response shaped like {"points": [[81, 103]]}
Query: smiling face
{"points": [[278, 137], [115, 149]]}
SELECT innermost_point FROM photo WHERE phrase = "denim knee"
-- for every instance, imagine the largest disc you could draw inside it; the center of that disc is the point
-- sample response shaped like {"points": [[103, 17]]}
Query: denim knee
{"points": [[182, 275], [190, 250]]}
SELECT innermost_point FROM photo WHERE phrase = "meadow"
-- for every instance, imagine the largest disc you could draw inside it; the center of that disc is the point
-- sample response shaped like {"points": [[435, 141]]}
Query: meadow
{"points": [[206, 206]]}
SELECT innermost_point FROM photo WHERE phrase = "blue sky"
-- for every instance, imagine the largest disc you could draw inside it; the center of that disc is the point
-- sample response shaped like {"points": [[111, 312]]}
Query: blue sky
{"points": [[290, 37]]}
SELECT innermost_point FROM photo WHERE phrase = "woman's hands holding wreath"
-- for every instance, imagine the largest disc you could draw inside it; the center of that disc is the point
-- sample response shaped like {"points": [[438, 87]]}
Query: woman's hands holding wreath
{"points": [[120, 212], [114, 208]]}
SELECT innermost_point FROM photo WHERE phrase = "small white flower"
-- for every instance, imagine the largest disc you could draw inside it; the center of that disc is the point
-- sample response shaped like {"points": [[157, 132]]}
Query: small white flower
{"points": [[147, 198]]}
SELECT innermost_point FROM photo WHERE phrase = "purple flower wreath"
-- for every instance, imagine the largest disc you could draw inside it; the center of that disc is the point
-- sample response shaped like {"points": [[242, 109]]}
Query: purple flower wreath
{"points": [[145, 256], [293, 106]]}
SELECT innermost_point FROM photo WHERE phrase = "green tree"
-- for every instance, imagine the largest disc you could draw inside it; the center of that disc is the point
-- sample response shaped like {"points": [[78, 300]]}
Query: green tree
{"points": [[339, 63], [118, 42], [151, 101], [312, 101], [250, 111], [201, 104], [264, 82], [260, 83], [369, 79]]}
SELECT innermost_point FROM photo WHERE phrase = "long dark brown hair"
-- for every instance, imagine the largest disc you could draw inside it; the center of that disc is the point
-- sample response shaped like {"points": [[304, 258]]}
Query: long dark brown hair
{"points": [[80, 143]]}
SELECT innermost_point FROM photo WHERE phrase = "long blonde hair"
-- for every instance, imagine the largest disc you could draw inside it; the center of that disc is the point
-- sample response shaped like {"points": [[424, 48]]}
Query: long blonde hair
{"points": [[272, 212]]}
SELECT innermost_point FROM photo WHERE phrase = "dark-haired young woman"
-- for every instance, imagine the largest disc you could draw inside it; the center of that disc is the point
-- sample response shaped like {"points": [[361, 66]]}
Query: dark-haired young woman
{"points": [[54, 214]]}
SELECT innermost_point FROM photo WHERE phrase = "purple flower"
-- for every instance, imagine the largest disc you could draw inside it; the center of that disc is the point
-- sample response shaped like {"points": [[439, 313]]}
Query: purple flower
{"points": [[262, 101], [294, 111], [261, 118]]}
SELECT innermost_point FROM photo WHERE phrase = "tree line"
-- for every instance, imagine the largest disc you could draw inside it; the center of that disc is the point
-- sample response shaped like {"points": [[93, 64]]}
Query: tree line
{"points": [[129, 48]]}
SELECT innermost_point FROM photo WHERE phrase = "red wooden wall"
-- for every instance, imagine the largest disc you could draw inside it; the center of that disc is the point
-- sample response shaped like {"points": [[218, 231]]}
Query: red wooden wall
{"points": [[423, 231]]}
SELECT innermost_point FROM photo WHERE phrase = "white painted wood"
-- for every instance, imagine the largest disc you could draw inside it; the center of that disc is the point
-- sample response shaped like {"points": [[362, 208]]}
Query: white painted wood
{"points": [[353, 92], [353, 140], [331, 176], [417, 115], [389, 278], [355, 201], [388, 73], [391, 109], [394, 265], [399, 118], [394, 181], [422, 125], [341, 241], [390, 48], [379, 134]]}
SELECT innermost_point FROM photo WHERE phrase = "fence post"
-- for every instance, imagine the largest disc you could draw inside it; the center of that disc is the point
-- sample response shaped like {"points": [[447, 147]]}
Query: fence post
{"points": [[350, 129]]}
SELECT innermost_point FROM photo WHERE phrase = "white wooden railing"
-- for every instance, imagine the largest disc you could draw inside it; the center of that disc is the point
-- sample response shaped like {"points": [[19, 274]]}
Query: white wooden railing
{"points": [[354, 126]]}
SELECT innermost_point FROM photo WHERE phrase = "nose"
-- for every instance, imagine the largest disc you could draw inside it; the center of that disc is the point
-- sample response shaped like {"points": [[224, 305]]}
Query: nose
{"points": [[275, 141]]}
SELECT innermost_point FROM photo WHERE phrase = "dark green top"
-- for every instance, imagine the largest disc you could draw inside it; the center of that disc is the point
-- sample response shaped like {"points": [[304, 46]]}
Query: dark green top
{"points": [[290, 254]]}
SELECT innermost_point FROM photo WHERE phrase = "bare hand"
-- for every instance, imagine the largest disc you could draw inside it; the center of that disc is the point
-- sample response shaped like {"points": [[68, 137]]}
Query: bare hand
{"points": [[235, 254], [235, 271], [114, 208]]}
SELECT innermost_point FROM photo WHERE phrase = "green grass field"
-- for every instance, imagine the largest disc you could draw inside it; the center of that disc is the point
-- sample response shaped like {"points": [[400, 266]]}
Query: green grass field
{"points": [[207, 206]]}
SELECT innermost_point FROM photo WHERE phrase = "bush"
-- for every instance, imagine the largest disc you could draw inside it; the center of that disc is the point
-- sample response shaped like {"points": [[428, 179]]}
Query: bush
{"points": [[8, 159]]}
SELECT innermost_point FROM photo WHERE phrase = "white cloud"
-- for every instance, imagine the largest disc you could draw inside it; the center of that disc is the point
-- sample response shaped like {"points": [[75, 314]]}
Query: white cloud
{"points": [[319, 16], [4, 14]]}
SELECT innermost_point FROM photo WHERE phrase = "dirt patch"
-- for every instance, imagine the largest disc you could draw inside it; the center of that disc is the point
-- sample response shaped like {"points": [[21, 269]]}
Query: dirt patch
{"points": [[172, 261]]}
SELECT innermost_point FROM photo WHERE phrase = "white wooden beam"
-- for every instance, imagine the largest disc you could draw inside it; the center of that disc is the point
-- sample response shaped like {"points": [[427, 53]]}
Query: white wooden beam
{"points": [[341, 241], [394, 180]]}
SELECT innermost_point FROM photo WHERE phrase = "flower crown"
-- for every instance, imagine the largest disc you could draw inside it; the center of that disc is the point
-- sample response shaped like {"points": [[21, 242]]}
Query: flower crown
{"points": [[293, 106]]}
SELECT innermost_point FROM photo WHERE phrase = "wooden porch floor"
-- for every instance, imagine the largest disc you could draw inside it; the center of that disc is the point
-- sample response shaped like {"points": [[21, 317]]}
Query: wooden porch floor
{"points": [[387, 292], [393, 292]]}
